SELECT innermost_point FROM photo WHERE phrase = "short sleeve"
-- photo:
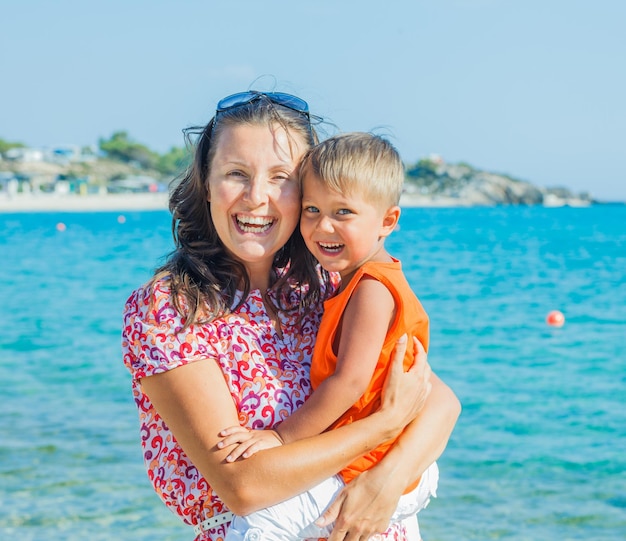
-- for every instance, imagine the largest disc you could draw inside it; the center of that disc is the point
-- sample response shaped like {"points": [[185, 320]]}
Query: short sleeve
{"points": [[153, 339]]}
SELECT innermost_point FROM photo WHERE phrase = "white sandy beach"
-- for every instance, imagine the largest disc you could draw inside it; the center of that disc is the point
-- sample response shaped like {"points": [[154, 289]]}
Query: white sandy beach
{"points": [[82, 203], [142, 201]]}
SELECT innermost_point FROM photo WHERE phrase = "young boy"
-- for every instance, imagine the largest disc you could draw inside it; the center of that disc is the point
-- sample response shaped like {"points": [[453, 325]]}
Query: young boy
{"points": [[351, 187]]}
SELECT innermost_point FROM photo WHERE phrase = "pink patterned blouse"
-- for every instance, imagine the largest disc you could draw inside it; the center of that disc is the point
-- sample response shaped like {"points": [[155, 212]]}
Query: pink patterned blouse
{"points": [[268, 378]]}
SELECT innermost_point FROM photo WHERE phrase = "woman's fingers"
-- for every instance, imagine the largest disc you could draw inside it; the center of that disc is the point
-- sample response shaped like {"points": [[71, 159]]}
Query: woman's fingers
{"points": [[362, 508], [424, 386], [405, 393], [341, 531], [421, 366], [332, 512]]}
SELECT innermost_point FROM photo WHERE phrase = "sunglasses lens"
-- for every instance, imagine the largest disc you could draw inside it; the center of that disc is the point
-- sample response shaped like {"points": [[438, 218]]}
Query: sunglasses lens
{"points": [[288, 100], [279, 98], [234, 100]]}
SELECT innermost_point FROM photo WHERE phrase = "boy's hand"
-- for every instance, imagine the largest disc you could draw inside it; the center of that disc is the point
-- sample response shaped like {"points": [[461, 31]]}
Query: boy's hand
{"points": [[248, 442]]}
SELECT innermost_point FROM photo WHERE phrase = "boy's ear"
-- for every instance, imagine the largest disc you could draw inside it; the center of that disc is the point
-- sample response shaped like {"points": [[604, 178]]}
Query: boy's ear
{"points": [[390, 221]]}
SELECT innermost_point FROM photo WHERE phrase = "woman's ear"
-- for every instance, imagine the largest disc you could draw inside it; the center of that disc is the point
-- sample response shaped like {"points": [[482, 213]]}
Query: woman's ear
{"points": [[390, 221]]}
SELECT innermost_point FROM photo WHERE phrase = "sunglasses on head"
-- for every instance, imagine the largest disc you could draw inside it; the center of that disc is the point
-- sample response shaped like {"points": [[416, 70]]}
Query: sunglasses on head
{"points": [[279, 98]]}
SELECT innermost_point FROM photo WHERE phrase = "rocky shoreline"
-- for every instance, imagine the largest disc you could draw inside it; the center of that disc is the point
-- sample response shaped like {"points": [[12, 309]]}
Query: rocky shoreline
{"points": [[462, 185]]}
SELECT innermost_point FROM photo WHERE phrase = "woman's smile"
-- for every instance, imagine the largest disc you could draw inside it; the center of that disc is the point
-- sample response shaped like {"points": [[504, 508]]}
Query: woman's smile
{"points": [[253, 224]]}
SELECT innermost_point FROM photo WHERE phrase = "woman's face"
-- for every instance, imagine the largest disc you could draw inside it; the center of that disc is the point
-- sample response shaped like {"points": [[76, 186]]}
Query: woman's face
{"points": [[254, 193]]}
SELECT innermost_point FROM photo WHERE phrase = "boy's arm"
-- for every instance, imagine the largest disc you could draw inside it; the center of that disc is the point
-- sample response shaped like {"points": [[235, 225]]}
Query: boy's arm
{"points": [[363, 328]]}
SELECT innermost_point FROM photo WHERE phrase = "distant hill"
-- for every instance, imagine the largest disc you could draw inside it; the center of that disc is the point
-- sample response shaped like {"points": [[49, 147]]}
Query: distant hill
{"points": [[436, 182]]}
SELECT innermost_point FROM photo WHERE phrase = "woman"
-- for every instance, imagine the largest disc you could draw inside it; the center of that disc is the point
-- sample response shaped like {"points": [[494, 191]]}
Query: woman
{"points": [[223, 334]]}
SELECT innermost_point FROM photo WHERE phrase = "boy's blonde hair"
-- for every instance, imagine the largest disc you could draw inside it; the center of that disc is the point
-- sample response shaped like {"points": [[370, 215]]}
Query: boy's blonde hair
{"points": [[357, 162]]}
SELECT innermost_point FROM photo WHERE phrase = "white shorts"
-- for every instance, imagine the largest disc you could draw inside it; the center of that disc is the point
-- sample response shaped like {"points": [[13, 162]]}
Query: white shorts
{"points": [[294, 518]]}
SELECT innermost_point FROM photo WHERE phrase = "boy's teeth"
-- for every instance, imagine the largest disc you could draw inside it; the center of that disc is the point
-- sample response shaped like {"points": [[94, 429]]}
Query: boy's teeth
{"points": [[330, 246]]}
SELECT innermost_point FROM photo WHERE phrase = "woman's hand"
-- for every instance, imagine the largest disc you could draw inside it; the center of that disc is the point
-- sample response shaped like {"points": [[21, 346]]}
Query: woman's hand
{"points": [[364, 507], [405, 393]]}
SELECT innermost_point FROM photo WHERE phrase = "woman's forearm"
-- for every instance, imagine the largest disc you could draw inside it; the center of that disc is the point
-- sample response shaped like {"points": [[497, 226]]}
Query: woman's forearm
{"points": [[195, 403], [281, 472]]}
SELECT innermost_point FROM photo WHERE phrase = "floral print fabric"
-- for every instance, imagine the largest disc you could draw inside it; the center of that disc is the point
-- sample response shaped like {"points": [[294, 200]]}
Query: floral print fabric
{"points": [[267, 375]]}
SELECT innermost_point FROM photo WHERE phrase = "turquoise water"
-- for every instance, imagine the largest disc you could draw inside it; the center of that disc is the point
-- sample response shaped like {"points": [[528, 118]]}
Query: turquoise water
{"points": [[539, 452]]}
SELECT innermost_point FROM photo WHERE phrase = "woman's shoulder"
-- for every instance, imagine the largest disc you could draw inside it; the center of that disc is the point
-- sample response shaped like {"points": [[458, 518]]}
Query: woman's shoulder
{"points": [[150, 298], [154, 335]]}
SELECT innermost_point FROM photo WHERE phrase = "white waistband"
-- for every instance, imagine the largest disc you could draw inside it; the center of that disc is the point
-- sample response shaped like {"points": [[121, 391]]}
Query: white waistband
{"points": [[213, 522]]}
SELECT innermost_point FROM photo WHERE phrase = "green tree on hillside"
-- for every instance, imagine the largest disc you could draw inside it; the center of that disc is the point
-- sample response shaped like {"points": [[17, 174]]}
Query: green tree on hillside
{"points": [[8, 145], [174, 161], [121, 147], [423, 169]]}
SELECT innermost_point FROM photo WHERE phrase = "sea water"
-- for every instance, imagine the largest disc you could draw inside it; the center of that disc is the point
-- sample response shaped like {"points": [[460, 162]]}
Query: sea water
{"points": [[539, 452]]}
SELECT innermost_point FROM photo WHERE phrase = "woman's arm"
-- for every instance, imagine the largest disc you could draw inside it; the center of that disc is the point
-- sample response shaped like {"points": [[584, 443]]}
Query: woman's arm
{"points": [[195, 403], [425, 439], [365, 506]]}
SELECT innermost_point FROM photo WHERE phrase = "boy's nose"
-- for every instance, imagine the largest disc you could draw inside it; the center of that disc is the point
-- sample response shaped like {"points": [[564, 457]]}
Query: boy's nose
{"points": [[324, 224]]}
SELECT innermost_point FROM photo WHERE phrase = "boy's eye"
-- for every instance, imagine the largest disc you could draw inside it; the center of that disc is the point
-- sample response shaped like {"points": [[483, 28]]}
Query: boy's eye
{"points": [[310, 208], [344, 211]]}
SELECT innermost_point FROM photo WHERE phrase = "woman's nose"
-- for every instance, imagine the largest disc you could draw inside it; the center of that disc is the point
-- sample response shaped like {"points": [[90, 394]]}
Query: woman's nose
{"points": [[256, 192]]}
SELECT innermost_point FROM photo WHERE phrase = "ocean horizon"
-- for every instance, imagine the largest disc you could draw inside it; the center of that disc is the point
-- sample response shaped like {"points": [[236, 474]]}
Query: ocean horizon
{"points": [[538, 452]]}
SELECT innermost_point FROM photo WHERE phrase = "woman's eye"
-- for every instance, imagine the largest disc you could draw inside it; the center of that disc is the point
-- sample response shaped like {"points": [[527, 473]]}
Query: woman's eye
{"points": [[282, 177]]}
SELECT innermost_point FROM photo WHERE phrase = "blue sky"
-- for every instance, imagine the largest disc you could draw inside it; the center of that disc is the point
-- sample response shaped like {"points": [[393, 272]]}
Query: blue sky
{"points": [[533, 88]]}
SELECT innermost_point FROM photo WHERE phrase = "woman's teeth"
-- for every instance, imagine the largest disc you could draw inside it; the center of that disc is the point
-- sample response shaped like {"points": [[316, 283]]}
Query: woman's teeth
{"points": [[254, 224]]}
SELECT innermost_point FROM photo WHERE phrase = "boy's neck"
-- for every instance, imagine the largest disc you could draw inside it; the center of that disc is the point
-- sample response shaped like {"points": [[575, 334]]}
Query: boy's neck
{"points": [[380, 256]]}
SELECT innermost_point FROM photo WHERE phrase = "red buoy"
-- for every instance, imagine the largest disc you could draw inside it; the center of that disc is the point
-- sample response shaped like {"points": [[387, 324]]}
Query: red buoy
{"points": [[555, 318]]}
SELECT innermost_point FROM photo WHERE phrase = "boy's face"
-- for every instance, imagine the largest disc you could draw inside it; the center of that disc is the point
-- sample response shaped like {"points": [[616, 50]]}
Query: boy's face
{"points": [[343, 231]]}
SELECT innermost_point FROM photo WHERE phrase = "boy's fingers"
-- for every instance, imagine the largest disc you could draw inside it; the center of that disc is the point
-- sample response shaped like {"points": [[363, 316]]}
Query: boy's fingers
{"points": [[234, 439], [233, 430]]}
